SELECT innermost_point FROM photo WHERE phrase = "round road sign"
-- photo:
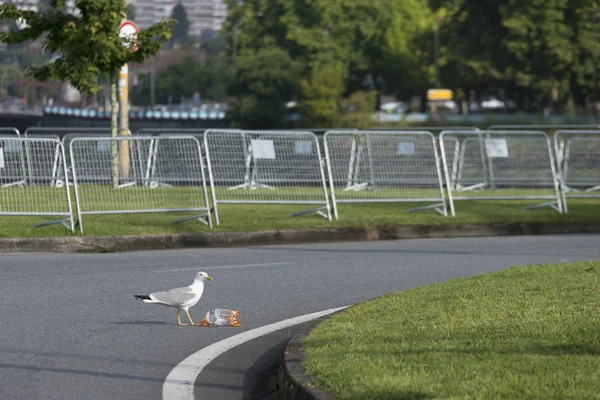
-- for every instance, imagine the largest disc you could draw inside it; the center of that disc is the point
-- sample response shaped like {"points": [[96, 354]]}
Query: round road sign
{"points": [[129, 30]]}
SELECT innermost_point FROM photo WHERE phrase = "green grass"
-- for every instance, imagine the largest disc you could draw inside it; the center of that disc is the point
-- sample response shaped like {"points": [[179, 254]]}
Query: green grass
{"points": [[524, 333], [245, 217]]}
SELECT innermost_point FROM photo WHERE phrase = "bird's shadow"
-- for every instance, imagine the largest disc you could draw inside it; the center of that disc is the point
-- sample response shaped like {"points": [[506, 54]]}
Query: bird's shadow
{"points": [[141, 323]]}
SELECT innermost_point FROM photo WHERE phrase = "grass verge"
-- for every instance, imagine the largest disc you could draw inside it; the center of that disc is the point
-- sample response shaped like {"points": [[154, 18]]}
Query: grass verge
{"points": [[244, 217], [523, 333]]}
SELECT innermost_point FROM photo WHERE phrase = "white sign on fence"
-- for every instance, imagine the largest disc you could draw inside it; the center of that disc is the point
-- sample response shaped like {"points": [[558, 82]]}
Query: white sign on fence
{"points": [[303, 147], [496, 148], [263, 149], [405, 149], [103, 147]]}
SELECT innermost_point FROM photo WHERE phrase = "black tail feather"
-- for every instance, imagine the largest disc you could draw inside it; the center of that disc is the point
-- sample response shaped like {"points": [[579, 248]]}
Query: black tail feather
{"points": [[142, 297]]}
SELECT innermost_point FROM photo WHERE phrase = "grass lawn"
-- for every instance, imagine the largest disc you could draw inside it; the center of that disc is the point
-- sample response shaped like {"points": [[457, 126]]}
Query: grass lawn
{"points": [[523, 333], [252, 217]]}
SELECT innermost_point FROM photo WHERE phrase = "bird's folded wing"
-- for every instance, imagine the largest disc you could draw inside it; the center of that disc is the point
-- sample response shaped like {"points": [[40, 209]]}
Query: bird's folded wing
{"points": [[174, 296]]}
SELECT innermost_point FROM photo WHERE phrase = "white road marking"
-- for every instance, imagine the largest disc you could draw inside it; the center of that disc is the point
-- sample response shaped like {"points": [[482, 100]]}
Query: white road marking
{"points": [[225, 266], [179, 384]]}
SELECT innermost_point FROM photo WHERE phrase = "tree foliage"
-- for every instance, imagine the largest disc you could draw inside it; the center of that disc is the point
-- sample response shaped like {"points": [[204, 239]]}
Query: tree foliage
{"points": [[182, 28], [538, 53], [311, 35], [322, 91], [85, 45], [265, 81], [211, 79], [131, 12]]}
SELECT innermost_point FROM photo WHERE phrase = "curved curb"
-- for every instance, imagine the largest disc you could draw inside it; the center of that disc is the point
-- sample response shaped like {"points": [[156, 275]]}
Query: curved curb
{"points": [[293, 383], [108, 244]]}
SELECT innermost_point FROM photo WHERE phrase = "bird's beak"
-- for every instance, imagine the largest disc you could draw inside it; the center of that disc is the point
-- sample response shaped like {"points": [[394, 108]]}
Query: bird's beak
{"points": [[209, 278]]}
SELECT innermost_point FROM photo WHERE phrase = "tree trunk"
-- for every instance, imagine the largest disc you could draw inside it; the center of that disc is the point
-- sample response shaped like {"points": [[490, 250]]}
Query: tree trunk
{"points": [[114, 127]]}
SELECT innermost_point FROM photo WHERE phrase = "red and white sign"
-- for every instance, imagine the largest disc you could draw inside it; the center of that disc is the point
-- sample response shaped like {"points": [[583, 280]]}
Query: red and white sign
{"points": [[129, 30]]}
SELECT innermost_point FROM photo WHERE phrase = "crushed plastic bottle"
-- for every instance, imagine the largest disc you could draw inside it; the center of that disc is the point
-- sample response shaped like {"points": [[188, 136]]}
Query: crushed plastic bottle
{"points": [[221, 317]]}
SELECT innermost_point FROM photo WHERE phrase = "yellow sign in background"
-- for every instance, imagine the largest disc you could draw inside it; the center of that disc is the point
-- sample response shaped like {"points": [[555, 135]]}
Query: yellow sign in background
{"points": [[439, 94]]}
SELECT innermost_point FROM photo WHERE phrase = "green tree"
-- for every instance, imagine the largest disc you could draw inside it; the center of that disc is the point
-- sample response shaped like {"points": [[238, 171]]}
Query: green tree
{"points": [[211, 78], [265, 81], [357, 110], [405, 62], [540, 45], [181, 29], [583, 17], [472, 54], [537, 52], [130, 12], [350, 34], [322, 91], [86, 46]]}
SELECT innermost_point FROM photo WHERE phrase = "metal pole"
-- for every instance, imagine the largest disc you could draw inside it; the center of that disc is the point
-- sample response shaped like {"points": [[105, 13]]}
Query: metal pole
{"points": [[124, 113], [595, 66], [436, 52], [234, 44], [152, 86]]}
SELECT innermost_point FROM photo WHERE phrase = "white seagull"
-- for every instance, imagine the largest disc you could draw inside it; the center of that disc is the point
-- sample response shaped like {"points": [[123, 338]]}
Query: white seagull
{"points": [[181, 298]]}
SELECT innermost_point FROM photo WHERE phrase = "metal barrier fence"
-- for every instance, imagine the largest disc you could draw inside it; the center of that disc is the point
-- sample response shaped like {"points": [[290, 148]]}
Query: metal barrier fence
{"points": [[159, 132], [500, 165], [103, 147], [432, 129], [319, 133], [61, 132], [541, 127], [385, 166], [33, 196], [263, 167], [65, 135], [177, 185], [172, 131], [12, 156], [549, 129], [578, 159]]}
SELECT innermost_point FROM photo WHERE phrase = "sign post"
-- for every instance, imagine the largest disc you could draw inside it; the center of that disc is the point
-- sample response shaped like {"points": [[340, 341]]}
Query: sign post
{"points": [[435, 95], [128, 30]]}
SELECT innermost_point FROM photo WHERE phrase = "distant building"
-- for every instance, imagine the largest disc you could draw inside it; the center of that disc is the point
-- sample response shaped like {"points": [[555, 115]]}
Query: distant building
{"points": [[34, 5], [149, 12], [203, 15]]}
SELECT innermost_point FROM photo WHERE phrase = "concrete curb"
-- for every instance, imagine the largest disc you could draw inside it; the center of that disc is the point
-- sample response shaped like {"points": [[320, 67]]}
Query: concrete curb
{"points": [[107, 244], [293, 383]]}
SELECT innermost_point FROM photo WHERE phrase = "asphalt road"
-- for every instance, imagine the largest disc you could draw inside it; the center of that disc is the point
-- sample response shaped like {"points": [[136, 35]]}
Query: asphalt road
{"points": [[71, 329]]}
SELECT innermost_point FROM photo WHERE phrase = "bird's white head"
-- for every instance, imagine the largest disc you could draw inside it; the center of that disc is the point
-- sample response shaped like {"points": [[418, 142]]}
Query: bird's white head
{"points": [[203, 276]]}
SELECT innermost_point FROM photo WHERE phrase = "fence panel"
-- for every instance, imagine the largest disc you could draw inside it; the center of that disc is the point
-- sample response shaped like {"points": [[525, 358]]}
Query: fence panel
{"points": [[65, 135], [543, 127], [178, 185], [14, 172], [139, 154], [35, 196], [160, 132], [385, 166], [62, 132], [436, 130], [578, 159], [549, 129], [265, 167], [500, 165], [172, 131]]}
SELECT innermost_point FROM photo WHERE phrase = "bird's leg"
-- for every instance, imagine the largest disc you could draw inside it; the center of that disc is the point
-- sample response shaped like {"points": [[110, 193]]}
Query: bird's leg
{"points": [[190, 318], [179, 319]]}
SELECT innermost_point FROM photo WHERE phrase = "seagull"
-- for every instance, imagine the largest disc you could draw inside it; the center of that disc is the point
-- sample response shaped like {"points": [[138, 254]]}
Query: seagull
{"points": [[181, 298]]}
